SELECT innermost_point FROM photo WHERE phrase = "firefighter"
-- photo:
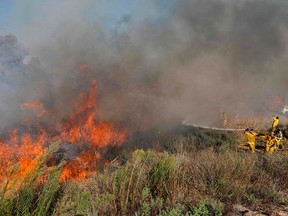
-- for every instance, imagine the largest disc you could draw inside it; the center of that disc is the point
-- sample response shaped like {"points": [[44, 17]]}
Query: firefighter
{"points": [[275, 122], [270, 143], [278, 137], [251, 137], [273, 141], [224, 119]]}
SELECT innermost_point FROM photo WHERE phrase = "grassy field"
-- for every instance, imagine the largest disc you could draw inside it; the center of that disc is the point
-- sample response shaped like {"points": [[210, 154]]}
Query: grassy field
{"points": [[176, 171]]}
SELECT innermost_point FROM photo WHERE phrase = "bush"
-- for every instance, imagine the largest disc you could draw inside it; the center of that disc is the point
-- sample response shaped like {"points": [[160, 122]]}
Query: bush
{"points": [[225, 176], [163, 176], [143, 185], [206, 208]]}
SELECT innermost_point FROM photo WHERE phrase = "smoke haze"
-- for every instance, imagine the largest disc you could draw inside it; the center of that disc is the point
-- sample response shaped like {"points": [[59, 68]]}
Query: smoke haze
{"points": [[206, 55]]}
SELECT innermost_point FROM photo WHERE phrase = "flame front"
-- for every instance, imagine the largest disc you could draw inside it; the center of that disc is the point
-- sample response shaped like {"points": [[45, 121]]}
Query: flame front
{"points": [[80, 130]]}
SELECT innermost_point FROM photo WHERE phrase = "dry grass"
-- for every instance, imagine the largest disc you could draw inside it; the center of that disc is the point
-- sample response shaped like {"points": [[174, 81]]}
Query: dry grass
{"points": [[154, 183], [224, 176], [194, 178]]}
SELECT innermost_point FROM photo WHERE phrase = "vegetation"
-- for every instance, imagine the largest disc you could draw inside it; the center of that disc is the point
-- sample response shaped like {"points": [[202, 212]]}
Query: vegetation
{"points": [[33, 195], [194, 172]]}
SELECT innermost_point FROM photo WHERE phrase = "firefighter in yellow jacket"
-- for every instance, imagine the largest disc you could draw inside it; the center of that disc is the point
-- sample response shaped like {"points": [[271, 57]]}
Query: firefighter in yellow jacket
{"points": [[275, 122], [270, 143], [251, 137], [273, 141]]}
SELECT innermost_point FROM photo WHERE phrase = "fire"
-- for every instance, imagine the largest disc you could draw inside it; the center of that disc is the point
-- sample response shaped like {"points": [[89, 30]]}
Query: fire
{"points": [[80, 130], [36, 106], [85, 70], [85, 67], [22, 150], [277, 102], [81, 167]]}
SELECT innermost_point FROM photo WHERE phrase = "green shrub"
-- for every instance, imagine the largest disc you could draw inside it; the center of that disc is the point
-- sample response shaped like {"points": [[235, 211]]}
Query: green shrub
{"points": [[163, 176], [251, 199], [174, 212], [206, 208], [125, 189]]}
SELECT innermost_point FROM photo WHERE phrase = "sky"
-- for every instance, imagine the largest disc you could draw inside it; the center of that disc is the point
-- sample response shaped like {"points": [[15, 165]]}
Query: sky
{"points": [[18, 17], [5, 12]]}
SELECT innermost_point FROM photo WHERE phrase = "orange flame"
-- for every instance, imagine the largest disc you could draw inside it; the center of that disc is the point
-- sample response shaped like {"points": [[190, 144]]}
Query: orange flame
{"points": [[80, 129], [36, 106], [24, 151], [85, 67]]}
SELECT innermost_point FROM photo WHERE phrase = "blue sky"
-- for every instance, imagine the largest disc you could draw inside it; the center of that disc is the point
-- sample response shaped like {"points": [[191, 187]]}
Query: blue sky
{"points": [[5, 12], [17, 15]]}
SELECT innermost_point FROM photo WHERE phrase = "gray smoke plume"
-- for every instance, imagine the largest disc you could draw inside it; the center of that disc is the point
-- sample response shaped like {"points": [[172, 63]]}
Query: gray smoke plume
{"points": [[12, 73], [206, 56]]}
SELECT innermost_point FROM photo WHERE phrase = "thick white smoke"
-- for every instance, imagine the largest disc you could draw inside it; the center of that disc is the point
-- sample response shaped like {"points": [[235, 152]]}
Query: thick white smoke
{"points": [[207, 55]]}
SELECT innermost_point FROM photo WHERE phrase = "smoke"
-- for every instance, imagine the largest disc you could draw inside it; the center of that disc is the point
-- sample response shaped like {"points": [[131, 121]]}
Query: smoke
{"points": [[12, 72], [201, 57]]}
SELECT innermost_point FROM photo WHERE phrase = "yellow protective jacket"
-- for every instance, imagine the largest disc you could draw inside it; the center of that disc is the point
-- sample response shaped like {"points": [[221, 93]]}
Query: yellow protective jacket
{"points": [[251, 136], [275, 122], [271, 144], [269, 140]]}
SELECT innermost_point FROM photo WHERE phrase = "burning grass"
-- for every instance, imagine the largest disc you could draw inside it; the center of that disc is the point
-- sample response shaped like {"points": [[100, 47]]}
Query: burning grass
{"points": [[80, 130], [172, 171], [31, 193], [206, 180]]}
